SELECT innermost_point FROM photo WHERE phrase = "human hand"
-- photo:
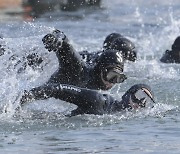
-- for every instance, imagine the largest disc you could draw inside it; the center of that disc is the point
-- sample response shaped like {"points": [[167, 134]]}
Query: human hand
{"points": [[54, 40]]}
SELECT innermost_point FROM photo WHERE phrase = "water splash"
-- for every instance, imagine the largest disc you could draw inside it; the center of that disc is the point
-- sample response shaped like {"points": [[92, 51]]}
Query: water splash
{"points": [[151, 40]]}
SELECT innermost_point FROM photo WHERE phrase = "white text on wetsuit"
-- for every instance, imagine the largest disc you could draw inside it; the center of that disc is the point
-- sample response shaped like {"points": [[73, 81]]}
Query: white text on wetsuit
{"points": [[70, 88]]}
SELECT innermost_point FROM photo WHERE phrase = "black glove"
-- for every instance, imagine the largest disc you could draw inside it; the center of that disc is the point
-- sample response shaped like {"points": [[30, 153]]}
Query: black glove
{"points": [[54, 41]]}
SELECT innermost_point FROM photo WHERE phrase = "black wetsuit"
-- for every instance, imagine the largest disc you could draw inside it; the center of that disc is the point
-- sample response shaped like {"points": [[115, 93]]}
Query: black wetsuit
{"points": [[73, 69], [75, 78], [88, 101]]}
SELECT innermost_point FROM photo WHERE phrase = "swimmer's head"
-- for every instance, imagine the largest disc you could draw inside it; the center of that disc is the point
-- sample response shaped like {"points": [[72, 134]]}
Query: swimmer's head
{"points": [[109, 39], [125, 46], [109, 68], [138, 96]]}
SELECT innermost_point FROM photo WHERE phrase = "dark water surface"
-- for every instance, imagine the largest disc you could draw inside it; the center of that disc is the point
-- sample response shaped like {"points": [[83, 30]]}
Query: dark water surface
{"points": [[42, 127]]}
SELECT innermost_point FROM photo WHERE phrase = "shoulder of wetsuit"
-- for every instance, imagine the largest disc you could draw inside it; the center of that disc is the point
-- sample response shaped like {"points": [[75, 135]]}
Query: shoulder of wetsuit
{"points": [[111, 104]]}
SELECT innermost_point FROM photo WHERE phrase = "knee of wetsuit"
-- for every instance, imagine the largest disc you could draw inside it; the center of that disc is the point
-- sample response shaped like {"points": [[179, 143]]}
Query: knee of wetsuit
{"points": [[109, 39], [139, 96], [125, 46], [110, 66]]}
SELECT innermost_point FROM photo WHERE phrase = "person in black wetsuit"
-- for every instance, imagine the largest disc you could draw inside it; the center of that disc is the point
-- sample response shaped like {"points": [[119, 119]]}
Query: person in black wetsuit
{"points": [[73, 70], [100, 70], [113, 41], [90, 101], [77, 83], [172, 56], [90, 73]]}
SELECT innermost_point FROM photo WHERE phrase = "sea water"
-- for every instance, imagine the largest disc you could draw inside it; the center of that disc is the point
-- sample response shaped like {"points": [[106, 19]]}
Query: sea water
{"points": [[42, 128]]}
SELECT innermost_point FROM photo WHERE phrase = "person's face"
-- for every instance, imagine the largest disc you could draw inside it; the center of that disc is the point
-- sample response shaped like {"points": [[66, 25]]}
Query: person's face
{"points": [[107, 84], [112, 75]]}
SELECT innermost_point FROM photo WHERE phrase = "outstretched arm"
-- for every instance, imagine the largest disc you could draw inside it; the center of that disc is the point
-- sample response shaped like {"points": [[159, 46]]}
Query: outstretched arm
{"points": [[69, 59], [79, 96]]}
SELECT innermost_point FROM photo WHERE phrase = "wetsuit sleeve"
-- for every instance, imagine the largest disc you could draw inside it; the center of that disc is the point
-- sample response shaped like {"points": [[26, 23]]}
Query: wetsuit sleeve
{"points": [[70, 61], [68, 58], [79, 96]]}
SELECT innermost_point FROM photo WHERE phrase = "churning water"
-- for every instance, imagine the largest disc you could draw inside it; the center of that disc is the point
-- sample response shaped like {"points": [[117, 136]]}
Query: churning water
{"points": [[42, 127]]}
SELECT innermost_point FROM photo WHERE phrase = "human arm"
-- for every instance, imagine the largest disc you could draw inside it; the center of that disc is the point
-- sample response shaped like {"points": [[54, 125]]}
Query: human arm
{"points": [[86, 99], [68, 58]]}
